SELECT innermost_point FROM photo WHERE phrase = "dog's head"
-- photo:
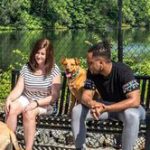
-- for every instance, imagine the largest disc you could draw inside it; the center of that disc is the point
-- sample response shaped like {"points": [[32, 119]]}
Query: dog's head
{"points": [[70, 65]]}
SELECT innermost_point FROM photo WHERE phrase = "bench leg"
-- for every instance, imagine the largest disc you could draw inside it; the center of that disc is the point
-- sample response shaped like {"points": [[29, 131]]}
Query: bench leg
{"points": [[147, 138]]}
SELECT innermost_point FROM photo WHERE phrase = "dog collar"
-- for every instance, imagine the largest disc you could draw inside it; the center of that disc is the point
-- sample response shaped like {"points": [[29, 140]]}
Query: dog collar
{"points": [[75, 74]]}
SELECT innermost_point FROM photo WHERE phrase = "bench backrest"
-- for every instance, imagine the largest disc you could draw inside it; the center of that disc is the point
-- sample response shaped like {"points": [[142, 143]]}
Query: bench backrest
{"points": [[144, 82], [64, 102]]}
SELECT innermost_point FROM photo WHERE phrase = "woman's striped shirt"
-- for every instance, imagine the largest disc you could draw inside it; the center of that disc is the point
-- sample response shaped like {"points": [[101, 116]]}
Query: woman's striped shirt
{"points": [[38, 86]]}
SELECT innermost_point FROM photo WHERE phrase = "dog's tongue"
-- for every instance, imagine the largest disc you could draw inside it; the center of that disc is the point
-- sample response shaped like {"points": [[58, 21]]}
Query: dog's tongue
{"points": [[68, 75]]}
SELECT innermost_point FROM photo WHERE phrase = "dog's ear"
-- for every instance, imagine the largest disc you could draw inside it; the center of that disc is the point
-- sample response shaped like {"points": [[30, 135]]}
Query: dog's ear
{"points": [[77, 61], [62, 60]]}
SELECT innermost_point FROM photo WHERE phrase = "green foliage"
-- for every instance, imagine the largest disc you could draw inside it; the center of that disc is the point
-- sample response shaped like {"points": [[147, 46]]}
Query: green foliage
{"points": [[5, 77], [139, 64], [5, 85], [6, 28], [83, 63], [114, 55], [61, 13], [136, 12], [54, 13], [11, 11], [58, 14], [72, 13], [21, 57], [30, 22], [139, 68]]}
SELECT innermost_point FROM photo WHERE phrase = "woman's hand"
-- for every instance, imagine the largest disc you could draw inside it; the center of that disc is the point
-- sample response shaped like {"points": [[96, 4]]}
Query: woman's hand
{"points": [[32, 105], [7, 106]]}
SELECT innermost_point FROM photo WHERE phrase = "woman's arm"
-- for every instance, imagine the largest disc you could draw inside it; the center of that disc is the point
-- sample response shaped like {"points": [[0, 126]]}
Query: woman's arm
{"points": [[54, 92], [49, 99], [15, 93]]}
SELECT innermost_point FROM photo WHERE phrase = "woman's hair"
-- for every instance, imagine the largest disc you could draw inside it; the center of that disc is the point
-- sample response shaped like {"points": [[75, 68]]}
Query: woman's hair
{"points": [[49, 62], [102, 49]]}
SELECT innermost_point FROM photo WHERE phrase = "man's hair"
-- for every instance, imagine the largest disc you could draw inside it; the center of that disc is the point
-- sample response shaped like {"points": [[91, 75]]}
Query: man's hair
{"points": [[102, 49]]}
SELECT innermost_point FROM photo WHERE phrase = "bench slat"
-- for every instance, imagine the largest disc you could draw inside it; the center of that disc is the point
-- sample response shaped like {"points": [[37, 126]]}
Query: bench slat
{"points": [[62, 97], [148, 96]]}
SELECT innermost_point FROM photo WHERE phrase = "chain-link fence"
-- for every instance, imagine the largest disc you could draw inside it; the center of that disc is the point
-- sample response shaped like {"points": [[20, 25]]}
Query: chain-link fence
{"points": [[136, 49]]}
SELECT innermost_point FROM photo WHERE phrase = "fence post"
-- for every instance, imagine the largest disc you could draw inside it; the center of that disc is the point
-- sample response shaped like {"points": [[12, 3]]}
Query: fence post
{"points": [[120, 36]]}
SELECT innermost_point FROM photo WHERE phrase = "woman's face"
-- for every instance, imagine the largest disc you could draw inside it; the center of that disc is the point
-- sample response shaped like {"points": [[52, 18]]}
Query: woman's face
{"points": [[40, 57]]}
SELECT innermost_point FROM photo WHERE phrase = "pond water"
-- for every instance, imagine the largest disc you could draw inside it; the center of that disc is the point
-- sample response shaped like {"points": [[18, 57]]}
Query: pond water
{"points": [[70, 43]]}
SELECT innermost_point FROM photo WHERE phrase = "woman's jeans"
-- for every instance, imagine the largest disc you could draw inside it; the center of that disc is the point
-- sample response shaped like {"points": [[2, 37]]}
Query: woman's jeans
{"points": [[130, 117]]}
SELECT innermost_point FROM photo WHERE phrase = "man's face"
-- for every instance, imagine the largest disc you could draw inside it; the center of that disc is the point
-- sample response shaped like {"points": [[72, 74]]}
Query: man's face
{"points": [[94, 64]]}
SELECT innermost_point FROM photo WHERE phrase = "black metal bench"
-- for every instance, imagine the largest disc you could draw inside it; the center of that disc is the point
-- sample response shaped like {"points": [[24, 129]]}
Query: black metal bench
{"points": [[61, 121]]}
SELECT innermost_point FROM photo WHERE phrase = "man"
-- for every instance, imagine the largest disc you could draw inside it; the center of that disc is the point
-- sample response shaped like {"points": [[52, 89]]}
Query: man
{"points": [[120, 97]]}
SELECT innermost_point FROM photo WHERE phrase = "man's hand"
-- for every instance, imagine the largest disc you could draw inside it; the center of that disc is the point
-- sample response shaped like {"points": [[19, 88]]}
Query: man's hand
{"points": [[97, 109]]}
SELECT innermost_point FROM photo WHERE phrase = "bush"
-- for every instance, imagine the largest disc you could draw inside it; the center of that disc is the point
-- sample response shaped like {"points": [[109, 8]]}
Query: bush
{"points": [[29, 22], [5, 85], [5, 76]]}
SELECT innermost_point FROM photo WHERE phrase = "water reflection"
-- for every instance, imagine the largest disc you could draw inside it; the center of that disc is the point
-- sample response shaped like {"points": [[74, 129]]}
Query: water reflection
{"points": [[69, 42]]}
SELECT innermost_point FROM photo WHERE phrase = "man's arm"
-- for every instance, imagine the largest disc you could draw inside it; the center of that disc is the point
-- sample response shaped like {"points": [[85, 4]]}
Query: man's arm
{"points": [[95, 107], [132, 101], [87, 99]]}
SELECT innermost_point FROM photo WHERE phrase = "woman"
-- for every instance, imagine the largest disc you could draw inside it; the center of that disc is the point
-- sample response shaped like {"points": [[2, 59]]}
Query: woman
{"points": [[36, 91]]}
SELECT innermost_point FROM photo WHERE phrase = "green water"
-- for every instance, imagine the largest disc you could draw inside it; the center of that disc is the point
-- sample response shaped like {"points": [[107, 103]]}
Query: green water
{"points": [[70, 43]]}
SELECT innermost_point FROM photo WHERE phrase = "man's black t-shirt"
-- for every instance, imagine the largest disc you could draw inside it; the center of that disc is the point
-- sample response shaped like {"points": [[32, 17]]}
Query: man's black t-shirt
{"points": [[116, 85]]}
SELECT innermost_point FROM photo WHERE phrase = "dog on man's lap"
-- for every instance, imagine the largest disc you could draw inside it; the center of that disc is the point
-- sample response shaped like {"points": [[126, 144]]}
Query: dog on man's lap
{"points": [[8, 140]]}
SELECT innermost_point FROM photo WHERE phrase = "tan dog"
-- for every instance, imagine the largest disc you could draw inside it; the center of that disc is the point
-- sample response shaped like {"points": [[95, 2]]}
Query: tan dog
{"points": [[8, 139], [76, 77]]}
